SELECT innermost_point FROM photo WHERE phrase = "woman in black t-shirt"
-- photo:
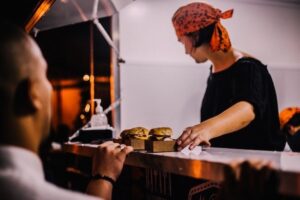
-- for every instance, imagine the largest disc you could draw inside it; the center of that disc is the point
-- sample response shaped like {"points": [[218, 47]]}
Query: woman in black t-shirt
{"points": [[239, 108]]}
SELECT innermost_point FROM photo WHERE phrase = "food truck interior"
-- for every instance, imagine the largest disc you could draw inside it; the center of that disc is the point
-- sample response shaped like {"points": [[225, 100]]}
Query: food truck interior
{"points": [[126, 51]]}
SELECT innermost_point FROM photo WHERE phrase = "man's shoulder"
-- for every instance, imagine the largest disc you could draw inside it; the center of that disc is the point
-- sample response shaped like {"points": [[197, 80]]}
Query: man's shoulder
{"points": [[55, 192], [14, 188]]}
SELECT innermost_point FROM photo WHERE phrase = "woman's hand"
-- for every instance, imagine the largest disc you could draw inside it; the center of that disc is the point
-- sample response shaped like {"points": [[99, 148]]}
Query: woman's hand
{"points": [[193, 136]]}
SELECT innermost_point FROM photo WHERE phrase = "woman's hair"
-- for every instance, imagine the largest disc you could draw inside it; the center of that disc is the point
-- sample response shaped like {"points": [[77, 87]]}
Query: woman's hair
{"points": [[203, 36]]}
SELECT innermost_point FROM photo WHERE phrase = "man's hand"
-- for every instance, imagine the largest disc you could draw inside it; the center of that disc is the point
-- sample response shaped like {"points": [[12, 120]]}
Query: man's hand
{"points": [[109, 159]]}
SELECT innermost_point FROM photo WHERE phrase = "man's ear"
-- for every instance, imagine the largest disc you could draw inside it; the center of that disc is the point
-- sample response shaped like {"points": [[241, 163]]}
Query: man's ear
{"points": [[26, 100]]}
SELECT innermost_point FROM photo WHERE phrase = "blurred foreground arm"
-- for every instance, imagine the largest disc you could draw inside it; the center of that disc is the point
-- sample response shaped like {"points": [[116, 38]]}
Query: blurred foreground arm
{"points": [[249, 180]]}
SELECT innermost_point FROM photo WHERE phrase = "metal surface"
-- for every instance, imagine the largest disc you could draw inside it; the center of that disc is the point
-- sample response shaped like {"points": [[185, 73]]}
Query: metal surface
{"points": [[40, 10], [66, 12], [210, 163], [115, 74]]}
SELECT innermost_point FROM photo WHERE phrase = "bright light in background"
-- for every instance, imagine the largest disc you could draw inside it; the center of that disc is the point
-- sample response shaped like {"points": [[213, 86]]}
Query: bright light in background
{"points": [[82, 116], [86, 77], [87, 108]]}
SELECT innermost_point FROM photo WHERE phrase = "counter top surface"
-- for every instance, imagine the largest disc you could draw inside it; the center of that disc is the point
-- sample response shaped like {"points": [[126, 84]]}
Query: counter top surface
{"points": [[209, 163]]}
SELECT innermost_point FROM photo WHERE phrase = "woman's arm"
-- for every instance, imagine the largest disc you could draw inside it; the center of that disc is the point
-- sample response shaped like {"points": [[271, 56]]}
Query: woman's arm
{"points": [[234, 118]]}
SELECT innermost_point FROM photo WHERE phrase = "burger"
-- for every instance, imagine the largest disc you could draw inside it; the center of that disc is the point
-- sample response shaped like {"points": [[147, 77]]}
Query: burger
{"points": [[160, 133], [135, 133]]}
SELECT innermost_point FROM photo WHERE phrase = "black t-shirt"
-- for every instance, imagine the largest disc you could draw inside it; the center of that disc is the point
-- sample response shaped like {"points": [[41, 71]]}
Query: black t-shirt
{"points": [[246, 80]]}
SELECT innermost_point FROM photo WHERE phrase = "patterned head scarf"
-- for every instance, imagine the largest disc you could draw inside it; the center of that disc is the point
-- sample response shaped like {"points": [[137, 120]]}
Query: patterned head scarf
{"points": [[196, 16], [286, 114]]}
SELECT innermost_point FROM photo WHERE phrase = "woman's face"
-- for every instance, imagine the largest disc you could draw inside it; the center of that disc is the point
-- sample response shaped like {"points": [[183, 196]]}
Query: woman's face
{"points": [[197, 53]]}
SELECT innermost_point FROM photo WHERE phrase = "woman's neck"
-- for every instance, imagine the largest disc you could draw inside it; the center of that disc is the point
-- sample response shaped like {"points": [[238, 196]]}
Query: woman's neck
{"points": [[223, 60]]}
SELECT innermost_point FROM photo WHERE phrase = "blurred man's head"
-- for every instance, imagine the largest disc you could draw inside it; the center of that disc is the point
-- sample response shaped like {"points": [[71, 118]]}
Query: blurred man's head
{"points": [[24, 90]]}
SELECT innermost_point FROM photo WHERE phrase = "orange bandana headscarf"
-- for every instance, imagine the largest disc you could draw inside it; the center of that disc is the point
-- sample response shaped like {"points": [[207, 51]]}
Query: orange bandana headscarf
{"points": [[196, 16], [287, 114]]}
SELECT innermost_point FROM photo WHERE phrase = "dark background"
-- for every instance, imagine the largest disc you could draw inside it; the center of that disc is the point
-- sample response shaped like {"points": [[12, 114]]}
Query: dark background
{"points": [[67, 52]]}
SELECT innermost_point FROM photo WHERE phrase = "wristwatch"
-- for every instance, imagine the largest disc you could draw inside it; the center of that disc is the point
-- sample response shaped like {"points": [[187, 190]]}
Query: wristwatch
{"points": [[104, 177]]}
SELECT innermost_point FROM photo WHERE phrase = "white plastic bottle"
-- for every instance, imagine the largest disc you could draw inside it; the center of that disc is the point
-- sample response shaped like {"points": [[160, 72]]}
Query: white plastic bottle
{"points": [[99, 119]]}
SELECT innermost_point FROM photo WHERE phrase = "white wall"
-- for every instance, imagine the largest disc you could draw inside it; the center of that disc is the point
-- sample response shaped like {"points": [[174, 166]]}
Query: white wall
{"points": [[161, 86]]}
